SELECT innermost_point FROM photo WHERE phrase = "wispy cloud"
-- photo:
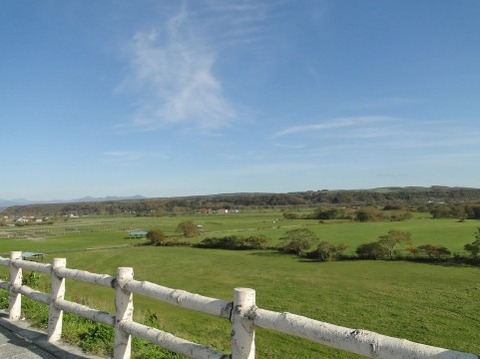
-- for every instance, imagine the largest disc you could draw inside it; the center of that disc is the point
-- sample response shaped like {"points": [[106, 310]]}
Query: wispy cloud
{"points": [[391, 175], [389, 102], [242, 21], [333, 124], [173, 75], [127, 157]]}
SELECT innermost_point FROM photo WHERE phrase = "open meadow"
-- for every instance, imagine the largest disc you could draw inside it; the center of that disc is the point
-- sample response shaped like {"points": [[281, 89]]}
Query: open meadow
{"points": [[95, 232], [427, 303]]}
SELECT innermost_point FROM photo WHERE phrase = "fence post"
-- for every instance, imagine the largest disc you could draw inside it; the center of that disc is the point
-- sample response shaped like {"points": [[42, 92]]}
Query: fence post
{"points": [[243, 329], [15, 300], [124, 312], [57, 288]]}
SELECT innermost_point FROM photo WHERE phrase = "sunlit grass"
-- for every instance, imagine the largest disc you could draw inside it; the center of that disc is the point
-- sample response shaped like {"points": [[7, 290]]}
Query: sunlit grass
{"points": [[431, 304], [425, 303]]}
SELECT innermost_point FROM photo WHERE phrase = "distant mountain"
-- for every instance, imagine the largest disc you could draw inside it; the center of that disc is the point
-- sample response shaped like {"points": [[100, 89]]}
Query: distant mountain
{"points": [[5, 203], [418, 198], [101, 199]]}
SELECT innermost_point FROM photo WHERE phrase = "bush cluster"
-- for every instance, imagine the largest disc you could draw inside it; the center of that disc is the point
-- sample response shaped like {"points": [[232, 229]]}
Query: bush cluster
{"points": [[456, 210], [304, 243], [234, 242], [364, 214]]}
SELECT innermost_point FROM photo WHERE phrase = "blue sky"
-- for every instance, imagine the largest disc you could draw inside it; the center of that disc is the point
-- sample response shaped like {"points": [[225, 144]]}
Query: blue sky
{"points": [[167, 98]]}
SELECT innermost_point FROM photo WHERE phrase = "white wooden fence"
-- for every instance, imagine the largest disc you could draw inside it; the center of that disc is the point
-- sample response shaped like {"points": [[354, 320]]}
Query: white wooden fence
{"points": [[244, 315]]}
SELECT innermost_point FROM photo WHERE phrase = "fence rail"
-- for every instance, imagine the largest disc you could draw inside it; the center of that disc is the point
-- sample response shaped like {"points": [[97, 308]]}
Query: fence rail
{"points": [[242, 312]]}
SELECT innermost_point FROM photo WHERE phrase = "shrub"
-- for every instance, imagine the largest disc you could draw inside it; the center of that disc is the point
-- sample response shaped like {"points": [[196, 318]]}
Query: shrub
{"points": [[156, 237], [401, 216], [474, 247], [393, 207], [31, 280], [393, 238], [369, 214], [228, 242], [372, 250], [290, 215], [188, 229], [97, 338], [297, 241], [295, 246], [432, 251], [413, 251], [256, 242], [326, 251], [234, 242]]}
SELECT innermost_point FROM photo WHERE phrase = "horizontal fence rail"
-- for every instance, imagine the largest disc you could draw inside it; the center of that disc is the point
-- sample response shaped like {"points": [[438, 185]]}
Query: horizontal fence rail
{"points": [[242, 312]]}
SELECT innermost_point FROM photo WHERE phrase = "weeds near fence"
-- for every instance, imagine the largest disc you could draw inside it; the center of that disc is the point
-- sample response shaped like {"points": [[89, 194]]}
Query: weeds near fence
{"points": [[92, 337]]}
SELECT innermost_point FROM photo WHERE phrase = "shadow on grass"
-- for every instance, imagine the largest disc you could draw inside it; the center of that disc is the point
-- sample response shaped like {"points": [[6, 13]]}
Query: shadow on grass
{"points": [[467, 262], [269, 253]]}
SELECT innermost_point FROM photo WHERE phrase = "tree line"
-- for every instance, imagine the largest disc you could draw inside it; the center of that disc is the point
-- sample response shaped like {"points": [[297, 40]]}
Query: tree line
{"points": [[435, 198], [304, 243]]}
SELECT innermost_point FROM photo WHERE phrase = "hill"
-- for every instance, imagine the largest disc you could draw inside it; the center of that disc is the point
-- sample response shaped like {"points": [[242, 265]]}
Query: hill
{"points": [[412, 197]]}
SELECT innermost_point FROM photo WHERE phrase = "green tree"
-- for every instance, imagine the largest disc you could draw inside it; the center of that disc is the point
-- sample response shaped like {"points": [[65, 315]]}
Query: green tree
{"points": [[326, 251], [474, 247], [156, 237], [372, 250], [188, 229], [368, 214], [392, 239], [256, 241], [399, 216], [441, 211], [234, 242], [433, 251], [329, 213], [298, 241]]}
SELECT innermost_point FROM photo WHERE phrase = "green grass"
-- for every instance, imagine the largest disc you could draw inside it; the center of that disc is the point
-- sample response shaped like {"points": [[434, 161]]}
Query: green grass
{"points": [[94, 232], [425, 303], [446, 232], [431, 304]]}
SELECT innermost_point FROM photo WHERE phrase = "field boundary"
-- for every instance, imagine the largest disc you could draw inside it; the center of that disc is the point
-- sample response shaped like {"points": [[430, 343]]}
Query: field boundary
{"points": [[242, 312]]}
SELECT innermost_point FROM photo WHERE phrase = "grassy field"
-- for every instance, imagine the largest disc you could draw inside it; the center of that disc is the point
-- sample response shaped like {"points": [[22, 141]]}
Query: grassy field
{"points": [[432, 304], [94, 232], [420, 302]]}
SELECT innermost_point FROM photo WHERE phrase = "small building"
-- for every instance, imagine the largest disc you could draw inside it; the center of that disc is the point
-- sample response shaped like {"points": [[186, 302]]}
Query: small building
{"points": [[137, 234], [32, 256]]}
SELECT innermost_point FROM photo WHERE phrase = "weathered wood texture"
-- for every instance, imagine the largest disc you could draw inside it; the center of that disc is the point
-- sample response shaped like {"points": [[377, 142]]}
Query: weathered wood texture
{"points": [[171, 342], [181, 298]]}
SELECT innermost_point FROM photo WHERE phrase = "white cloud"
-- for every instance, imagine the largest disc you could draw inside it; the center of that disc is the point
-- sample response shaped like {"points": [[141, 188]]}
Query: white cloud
{"points": [[127, 157], [333, 124], [389, 102], [173, 75], [241, 21]]}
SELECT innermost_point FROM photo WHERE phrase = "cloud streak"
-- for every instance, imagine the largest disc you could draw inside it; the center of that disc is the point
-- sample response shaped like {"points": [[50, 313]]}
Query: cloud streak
{"points": [[127, 157], [173, 75], [334, 124], [242, 22]]}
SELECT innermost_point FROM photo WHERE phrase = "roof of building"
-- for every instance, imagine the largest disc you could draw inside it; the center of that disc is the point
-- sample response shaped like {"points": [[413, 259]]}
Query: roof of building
{"points": [[137, 233], [27, 255]]}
